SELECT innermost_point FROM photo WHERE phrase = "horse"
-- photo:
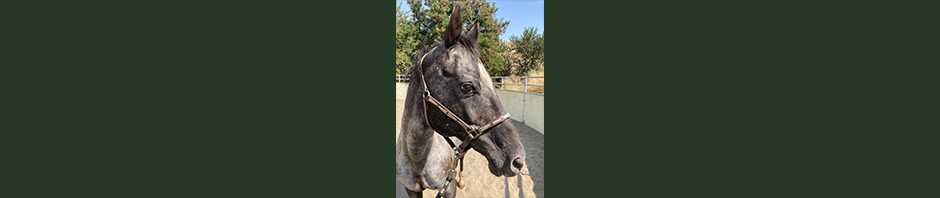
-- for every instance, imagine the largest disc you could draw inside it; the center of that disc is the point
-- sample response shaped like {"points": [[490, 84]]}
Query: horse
{"points": [[451, 98]]}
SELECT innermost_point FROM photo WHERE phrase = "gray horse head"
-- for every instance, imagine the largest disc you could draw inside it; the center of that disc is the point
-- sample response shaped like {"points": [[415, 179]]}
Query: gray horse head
{"points": [[456, 77]]}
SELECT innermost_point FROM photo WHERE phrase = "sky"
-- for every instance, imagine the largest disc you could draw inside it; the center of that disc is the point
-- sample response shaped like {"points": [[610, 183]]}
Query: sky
{"points": [[519, 13]]}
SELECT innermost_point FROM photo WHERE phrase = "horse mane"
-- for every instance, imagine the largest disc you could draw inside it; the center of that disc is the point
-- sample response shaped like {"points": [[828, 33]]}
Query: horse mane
{"points": [[467, 43]]}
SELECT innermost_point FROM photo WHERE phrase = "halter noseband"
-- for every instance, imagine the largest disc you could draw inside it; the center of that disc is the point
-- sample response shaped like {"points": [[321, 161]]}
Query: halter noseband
{"points": [[473, 131]]}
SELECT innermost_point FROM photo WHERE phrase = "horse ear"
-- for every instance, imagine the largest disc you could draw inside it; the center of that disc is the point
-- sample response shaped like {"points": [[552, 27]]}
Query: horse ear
{"points": [[474, 31], [454, 27]]}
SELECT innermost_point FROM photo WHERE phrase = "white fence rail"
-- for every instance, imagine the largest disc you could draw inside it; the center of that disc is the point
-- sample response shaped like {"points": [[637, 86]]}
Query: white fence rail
{"points": [[401, 78]]}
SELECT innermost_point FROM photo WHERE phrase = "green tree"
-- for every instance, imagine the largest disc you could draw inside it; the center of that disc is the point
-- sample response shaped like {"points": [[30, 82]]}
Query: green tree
{"points": [[530, 47], [431, 17], [406, 42]]}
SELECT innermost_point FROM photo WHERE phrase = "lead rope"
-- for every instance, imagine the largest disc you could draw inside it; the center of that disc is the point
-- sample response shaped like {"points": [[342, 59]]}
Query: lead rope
{"points": [[451, 174]]}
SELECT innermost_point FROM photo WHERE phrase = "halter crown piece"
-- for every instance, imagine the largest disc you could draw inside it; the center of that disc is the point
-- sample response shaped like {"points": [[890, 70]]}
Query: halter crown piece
{"points": [[473, 131]]}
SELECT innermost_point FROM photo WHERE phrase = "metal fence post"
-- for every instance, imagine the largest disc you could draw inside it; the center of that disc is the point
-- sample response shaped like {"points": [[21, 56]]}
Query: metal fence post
{"points": [[525, 83]]}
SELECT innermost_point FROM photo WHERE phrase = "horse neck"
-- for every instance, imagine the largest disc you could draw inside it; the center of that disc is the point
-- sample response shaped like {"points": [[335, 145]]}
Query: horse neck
{"points": [[422, 145], [419, 136]]}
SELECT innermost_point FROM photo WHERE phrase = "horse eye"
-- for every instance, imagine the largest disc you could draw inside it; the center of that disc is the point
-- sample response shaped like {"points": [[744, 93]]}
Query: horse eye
{"points": [[467, 87]]}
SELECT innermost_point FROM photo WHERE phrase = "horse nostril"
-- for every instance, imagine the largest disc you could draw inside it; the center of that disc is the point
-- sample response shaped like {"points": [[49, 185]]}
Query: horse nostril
{"points": [[517, 164]]}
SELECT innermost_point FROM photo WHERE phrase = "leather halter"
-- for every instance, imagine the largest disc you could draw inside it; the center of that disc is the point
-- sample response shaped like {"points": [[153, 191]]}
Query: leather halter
{"points": [[473, 131]]}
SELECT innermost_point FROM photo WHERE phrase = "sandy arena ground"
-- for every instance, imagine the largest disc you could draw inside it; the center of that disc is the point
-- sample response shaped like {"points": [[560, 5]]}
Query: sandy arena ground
{"points": [[480, 183]]}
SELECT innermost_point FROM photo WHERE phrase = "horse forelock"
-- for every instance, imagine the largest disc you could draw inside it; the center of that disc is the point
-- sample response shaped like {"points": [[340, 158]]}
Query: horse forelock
{"points": [[469, 44]]}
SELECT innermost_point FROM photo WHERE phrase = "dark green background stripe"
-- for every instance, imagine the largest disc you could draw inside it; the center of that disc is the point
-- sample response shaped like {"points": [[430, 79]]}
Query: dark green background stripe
{"points": [[738, 99], [201, 99]]}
